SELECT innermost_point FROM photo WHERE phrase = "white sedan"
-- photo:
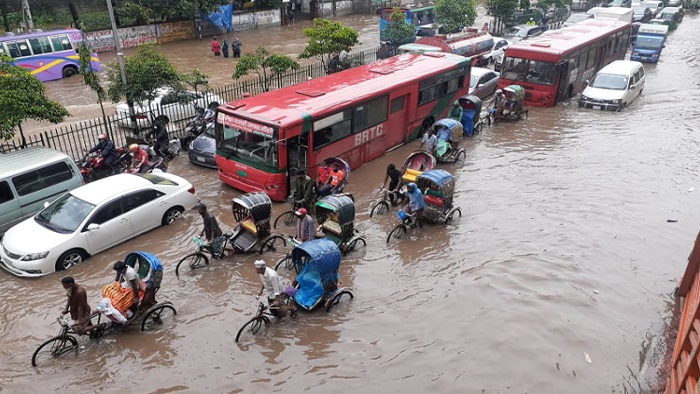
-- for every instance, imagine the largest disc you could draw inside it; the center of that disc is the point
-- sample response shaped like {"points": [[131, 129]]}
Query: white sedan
{"points": [[168, 106], [92, 218]]}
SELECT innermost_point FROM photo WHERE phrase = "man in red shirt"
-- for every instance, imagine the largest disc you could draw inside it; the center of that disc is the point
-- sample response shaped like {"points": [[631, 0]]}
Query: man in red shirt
{"points": [[139, 162], [335, 182], [322, 175]]}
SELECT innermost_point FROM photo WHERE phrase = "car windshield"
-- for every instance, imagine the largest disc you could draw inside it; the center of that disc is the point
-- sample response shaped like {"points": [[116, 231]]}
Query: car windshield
{"points": [[667, 16], [65, 214], [526, 70], [518, 32], [473, 80], [575, 18], [253, 144], [647, 42], [609, 81], [651, 5], [210, 131], [639, 10], [157, 180]]}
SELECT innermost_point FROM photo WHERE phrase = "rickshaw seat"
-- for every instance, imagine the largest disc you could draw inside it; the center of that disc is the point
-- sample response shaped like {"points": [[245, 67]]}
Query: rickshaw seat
{"points": [[249, 225], [244, 239], [431, 199], [410, 175], [332, 227]]}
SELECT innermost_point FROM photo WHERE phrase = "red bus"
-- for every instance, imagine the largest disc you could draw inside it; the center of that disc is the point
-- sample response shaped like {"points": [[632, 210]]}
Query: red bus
{"points": [[357, 114], [556, 65]]}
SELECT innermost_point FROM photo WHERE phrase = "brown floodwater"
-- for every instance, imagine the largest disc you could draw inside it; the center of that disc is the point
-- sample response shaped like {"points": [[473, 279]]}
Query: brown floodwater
{"points": [[558, 278]]}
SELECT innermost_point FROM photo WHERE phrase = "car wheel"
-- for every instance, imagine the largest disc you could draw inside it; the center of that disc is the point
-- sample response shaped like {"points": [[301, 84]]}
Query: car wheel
{"points": [[69, 259], [172, 215]]}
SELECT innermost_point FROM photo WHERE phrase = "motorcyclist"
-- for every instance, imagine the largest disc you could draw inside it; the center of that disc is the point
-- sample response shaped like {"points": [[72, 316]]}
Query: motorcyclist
{"points": [[139, 162], [106, 148], [162, 138]]}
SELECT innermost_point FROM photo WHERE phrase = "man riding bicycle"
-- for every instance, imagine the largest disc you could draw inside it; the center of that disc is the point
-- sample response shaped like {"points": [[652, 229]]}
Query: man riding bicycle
{"points": [[78, 307], [211, 231], [305, 226], [416, 204], [302, 189], [393, 176], [272, 285]]}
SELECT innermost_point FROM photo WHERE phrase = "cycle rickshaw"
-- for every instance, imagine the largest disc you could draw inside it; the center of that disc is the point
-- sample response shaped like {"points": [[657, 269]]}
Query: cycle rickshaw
{"points": [[415, 164], [287, 218], [513, 107], [449, 132], [336, 218], [150, 313], [252, 211], [437, 187], [317, 282], [471, 114]]}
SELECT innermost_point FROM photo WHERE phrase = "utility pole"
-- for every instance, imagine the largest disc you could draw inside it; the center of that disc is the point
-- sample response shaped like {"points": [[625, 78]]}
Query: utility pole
{"points": [[28, 14], [120, 57]]}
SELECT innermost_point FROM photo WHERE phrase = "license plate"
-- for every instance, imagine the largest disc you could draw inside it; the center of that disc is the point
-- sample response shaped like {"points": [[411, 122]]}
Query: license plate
{"points": [[200, 159], [596, 107]]}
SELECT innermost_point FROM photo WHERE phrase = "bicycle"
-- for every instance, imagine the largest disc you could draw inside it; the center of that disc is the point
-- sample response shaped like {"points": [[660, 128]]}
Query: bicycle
{"points": [[286, 261], [389, 198], [261, 317], [200, 259], [64, 342], [288, 218], [408, 220]]}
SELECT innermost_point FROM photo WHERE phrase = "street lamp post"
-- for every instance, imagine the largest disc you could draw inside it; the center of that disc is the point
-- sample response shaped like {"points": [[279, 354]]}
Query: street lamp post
{"points": [[120, 57]]}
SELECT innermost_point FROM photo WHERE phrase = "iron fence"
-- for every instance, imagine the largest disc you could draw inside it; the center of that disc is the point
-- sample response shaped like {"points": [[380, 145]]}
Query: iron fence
{"points": [[75, 138]]}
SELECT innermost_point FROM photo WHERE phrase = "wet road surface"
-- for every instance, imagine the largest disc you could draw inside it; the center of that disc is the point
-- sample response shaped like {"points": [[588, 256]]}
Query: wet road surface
{"points": [[558, 278]]}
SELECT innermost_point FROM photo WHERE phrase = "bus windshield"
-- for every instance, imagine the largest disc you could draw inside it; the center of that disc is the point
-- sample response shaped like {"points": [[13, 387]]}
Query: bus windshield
{"points": [[647, 42], [251, 147], [609, 81], [526, 70]]}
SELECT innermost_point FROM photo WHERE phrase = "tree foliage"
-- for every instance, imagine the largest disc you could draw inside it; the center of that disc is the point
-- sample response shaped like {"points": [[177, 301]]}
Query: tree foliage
{"points": [[327, 38], [196, 80], [144, 11], [146, 72], [454, 15], [22, 97], [399, 32], [267, 65], [503, 9], [544, 5], [90, 77]]}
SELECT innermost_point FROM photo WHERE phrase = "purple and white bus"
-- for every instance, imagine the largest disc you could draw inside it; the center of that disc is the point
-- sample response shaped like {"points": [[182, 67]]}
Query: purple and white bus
{"points": [[48, 55]]}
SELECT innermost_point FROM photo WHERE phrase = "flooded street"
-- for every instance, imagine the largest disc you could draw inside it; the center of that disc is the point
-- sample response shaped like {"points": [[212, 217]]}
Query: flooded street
{"points": [[558, 278]]}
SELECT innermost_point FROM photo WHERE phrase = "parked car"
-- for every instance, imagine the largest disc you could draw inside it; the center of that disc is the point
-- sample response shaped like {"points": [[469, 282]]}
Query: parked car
{"points": [[499, 48], [672, 16], [576, 18], [642, 14], [655, 6], [168, 106], [618, 3], [674, 3], [614, 87], [203, 148], [92, 218], [483, 82], [522, 32]]}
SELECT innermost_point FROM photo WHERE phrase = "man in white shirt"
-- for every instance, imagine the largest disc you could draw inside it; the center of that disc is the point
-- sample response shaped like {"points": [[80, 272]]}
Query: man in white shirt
{"points": [[273, 286]]}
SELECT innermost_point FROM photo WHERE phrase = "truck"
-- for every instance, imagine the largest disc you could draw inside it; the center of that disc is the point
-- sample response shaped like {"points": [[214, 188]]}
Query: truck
{"points": [[651, 40], [472, 43], [623, 14]]}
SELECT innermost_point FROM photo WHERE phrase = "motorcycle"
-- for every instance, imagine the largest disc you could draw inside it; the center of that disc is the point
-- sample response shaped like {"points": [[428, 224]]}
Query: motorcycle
{"points": [[196, 126], [93, 166], [154, 166]]}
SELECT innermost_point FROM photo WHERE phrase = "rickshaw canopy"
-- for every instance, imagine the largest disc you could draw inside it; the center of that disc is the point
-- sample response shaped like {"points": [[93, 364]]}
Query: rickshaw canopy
{"points": [[317, 263], [517, 90], [342, 205], [470, 102], [438, 177], [257, 204], [447, 122], [148, 267]]}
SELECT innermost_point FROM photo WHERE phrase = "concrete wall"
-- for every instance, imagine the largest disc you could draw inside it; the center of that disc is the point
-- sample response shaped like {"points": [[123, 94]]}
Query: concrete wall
{"points": [[256, 20], [103, 40]]}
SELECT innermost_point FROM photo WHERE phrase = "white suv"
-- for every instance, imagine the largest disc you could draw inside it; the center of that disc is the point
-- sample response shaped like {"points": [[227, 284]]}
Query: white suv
{"points": [[614, 87]]}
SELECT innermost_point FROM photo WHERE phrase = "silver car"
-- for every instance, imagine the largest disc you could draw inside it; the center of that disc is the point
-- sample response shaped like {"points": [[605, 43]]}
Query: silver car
{"points": [[483, 82], [168, 105]]}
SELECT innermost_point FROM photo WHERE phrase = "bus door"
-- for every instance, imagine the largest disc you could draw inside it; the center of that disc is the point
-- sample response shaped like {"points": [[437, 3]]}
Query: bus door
{"points": [[298, 151], [600, 59], [567, 76], [397, 124]]}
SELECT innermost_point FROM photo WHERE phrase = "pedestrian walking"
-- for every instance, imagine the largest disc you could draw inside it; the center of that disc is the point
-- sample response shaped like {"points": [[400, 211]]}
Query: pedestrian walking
{"points": [[215, 47], [485, 28], [224, 48], [236, 46], [290, 14]]}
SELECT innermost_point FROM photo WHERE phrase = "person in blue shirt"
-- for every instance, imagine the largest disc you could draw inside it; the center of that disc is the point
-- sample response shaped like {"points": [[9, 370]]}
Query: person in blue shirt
{"points": [[416, 204]]}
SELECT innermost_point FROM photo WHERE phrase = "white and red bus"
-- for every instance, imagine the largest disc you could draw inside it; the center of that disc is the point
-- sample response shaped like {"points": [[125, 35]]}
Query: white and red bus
{"points": [[556, 65], [357, 114]]}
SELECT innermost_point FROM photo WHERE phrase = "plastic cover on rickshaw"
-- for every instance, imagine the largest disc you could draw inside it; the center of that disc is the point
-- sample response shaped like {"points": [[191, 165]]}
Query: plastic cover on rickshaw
{"points": [[517, 91], [437, 185], [253, 211], [456, 133], [471, 112], [317, 262], [148, 267]]}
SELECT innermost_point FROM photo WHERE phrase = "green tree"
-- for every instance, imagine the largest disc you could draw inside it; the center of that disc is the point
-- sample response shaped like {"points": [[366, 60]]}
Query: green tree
{"points": [[503, 9], [453, 15], [399, 32], [267, 65], [196, 80], [91, 79], [163, 10], [22, 97], [146, 72], [327, 38]]}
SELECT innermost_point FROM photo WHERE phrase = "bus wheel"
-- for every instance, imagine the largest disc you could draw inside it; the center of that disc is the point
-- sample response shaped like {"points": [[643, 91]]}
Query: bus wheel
{"points": [[69, 71]]}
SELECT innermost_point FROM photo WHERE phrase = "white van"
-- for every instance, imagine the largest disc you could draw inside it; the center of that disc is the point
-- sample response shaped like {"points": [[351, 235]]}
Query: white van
{"points": [[614, 87], [623, 14], [29, 178]]}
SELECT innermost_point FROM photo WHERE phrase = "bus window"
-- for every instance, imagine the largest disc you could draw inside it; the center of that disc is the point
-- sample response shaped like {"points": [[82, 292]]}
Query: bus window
{"points": [[591, 58], [40, 45], [397, 104], [18, 48], [370, 114], [61, 43], [332, 128]]}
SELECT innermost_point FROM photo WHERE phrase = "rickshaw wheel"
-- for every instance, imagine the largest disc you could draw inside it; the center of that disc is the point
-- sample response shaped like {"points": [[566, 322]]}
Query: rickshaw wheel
{"points": [[158, 314], [286, 218], [286, 263], [253, 325], [478, 128], [272, 243], [192, 260], [53, 348], [451, 213], [461, 156], [523, 115], [343, 295], [379, 208], [398, 232], [353, 244]]}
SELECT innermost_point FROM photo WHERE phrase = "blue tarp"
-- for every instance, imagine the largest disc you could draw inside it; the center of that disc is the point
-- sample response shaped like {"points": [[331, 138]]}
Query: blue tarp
{"points": [[468, 122], [223, 18], [320, 259], [438, 177]]}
